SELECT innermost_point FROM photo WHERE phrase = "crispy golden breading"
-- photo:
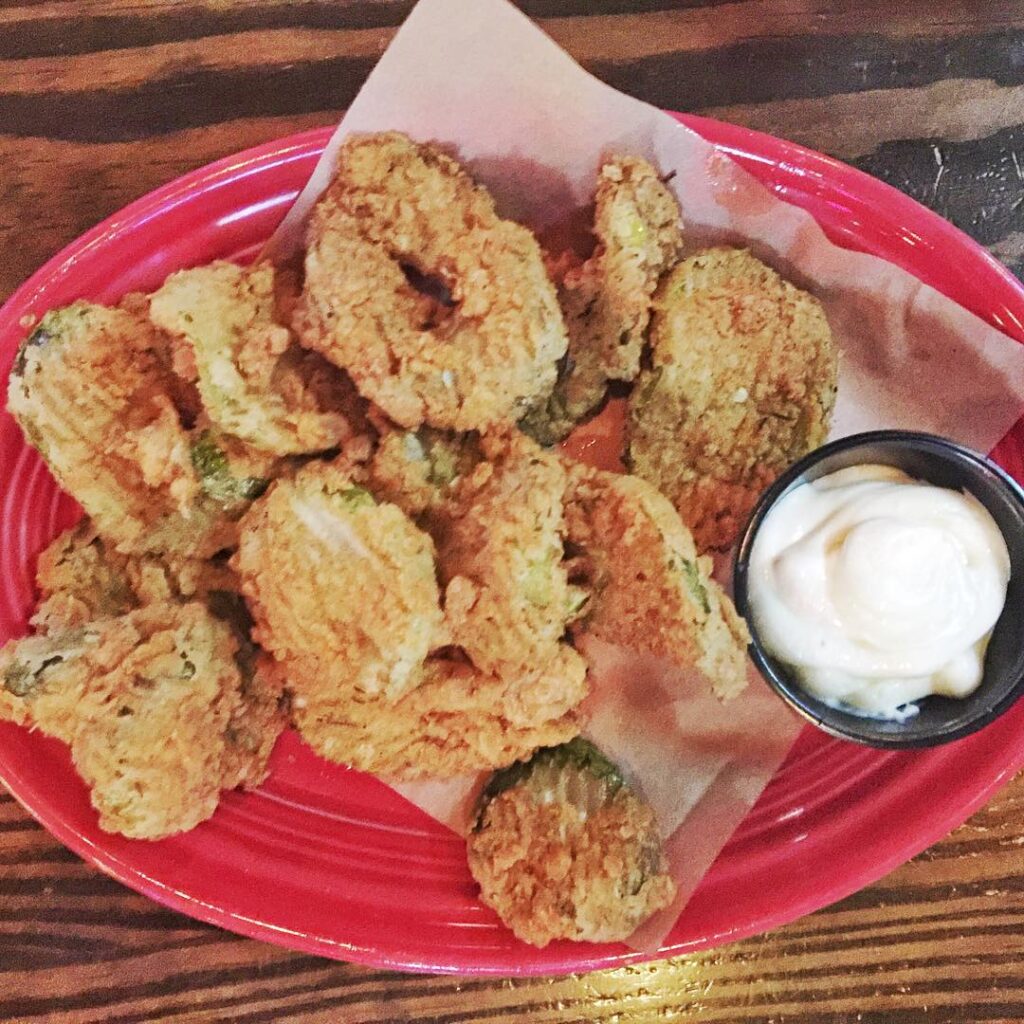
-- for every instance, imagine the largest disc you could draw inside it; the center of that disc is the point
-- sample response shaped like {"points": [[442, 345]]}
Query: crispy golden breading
{"points": [[81, 578], [607, 299], [254, 725], [564, 850], [170, 351], [652, 592], [506, 591], [83, 581], [396, 211], [457, 720], [639, 233], [256, 383], [416, 470], [342, 589], [90, 392], [146, 702], [742, 384], [91, 396]]}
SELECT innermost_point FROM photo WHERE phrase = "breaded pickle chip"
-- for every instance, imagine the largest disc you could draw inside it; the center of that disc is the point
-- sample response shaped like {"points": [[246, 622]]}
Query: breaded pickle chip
{"points": [[416, 469], [146, 702], [256, 721], [92, 394], [507, 595], [457, 720], [342, 589], [564, 849], [263, 712], [742, 383], [607, 299], [256, 383], [81, 578], [652, 592], [399, 222]]}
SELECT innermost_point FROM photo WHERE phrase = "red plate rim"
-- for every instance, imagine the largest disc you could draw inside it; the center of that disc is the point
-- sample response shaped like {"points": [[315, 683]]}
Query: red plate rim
{"points": [[999, 300]]}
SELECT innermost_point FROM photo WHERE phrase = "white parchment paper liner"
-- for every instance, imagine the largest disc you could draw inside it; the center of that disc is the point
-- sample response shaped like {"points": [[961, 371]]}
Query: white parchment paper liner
{"points": [[478, 76]]}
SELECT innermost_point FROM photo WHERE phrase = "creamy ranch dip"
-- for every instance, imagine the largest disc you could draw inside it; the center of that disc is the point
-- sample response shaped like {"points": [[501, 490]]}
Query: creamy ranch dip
{"points": [[878, 589]]}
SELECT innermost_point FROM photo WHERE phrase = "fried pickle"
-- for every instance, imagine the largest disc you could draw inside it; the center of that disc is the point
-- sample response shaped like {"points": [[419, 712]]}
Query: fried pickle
{"points": [[564, 849], [342, 589], [146, 702], [82, 578], [507, 596], [651, 591], [78, 581], [255, 723], [742, 383], [92, 394], [607, 299], [256, 383], [442, 313], [457, 720], [416, 470]]}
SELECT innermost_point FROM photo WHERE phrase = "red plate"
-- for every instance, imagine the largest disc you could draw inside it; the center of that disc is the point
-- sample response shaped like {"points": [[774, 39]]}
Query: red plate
{"points": [[329, 861]]}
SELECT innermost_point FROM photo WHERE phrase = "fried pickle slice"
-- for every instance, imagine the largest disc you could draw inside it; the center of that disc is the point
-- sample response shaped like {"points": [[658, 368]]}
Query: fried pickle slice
{"points": [[441, 311], [79, 581], [417, 469], [82, 578], [651, 590], [507, 597], [256, 383], [457, 720], [92, 393], [607, 299], [563, 848], [254, 727], [742, 383], [342, 589], [145, 701]]}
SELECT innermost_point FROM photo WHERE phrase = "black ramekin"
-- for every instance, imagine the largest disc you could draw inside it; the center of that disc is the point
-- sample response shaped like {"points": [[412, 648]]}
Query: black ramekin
{"points": [[938, 461]]}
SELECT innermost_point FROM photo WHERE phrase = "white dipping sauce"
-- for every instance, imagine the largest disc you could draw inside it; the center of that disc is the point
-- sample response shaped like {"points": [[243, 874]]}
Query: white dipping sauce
{"points": [[878, 589]]}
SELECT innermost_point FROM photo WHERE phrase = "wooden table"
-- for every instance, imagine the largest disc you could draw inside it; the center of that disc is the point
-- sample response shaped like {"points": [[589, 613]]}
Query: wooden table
{"points": [[102, 100]]}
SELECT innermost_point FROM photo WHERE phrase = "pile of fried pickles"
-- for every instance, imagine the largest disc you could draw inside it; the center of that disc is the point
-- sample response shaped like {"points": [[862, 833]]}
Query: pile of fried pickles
{"points": [[329, 496]]}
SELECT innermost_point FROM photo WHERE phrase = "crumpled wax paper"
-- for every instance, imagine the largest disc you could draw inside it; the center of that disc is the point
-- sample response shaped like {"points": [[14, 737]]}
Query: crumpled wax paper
{"points": [[480, 78]]}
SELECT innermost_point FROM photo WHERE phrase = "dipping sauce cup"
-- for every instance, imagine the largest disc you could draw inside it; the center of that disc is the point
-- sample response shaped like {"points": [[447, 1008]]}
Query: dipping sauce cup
{"points": [[943, 463]]}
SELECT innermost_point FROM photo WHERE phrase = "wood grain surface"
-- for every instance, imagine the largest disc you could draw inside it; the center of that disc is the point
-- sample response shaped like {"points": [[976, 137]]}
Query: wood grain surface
{"points": [[103, 100]]}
